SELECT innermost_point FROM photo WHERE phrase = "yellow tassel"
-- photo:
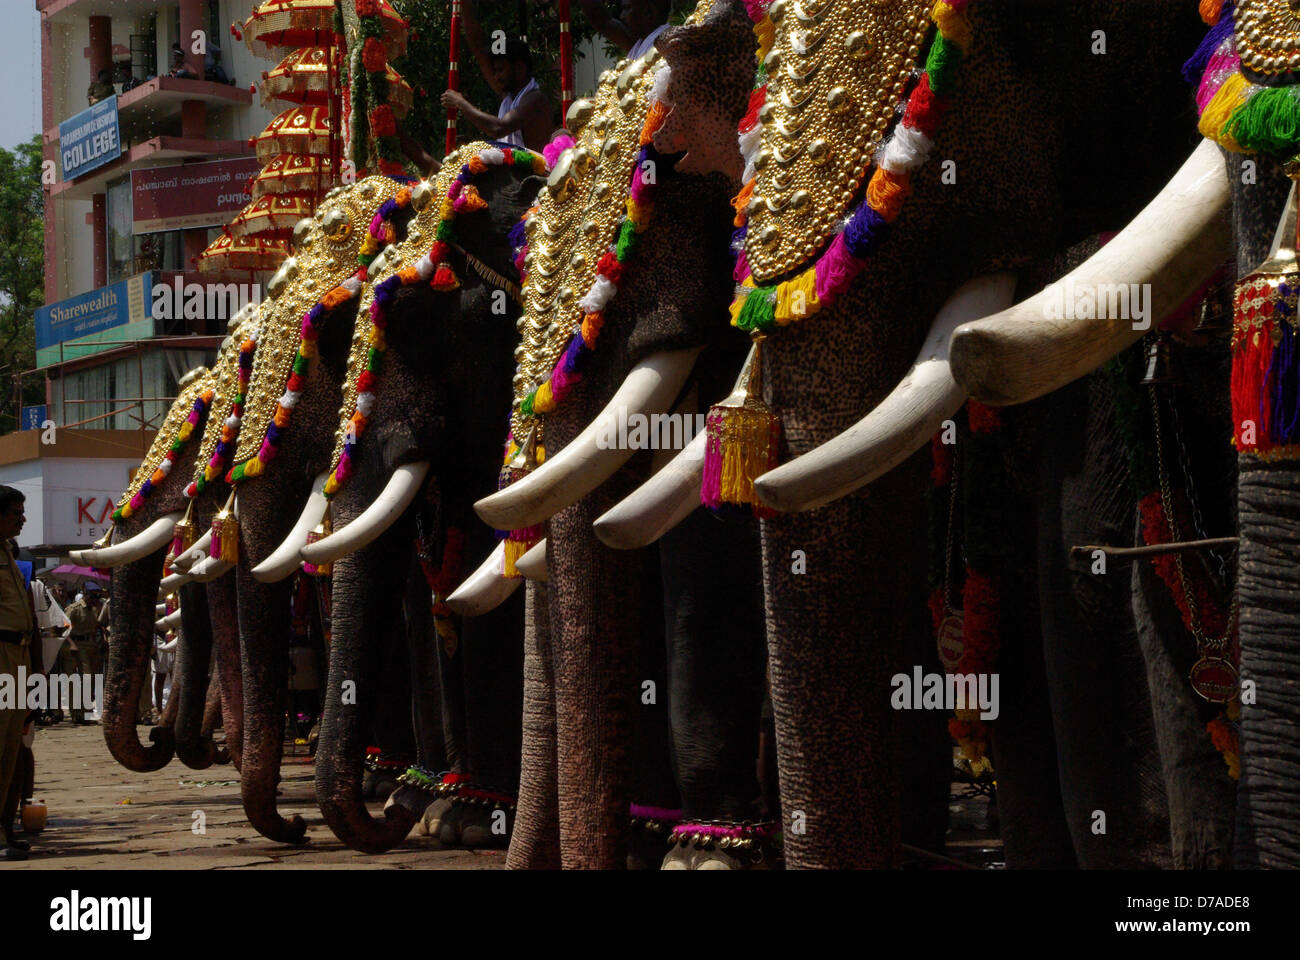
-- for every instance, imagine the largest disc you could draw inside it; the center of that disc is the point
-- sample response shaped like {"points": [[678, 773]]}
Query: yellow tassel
{"points": [[952, 24], [514, 550], [253, 468], [544, 401], [743, 434], [765, 32], [183, 536], [1235, 91], [797, 299], [320, 532], [225, 532]]}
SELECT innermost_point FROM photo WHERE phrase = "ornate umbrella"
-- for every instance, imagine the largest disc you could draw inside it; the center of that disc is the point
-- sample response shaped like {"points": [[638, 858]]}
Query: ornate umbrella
{"points": [[273, 215], [304, 77], [299, 130], [229, 254], [288, 23], [289, 173]]}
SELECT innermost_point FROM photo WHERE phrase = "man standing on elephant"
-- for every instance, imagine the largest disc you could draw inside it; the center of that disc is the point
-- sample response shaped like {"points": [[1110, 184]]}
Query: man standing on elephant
{"points": [[638, 25], [17, 629]]}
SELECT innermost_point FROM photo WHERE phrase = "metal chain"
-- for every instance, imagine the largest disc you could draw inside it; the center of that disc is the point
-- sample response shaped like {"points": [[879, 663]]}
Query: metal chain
{"points": [[1217, 644]]}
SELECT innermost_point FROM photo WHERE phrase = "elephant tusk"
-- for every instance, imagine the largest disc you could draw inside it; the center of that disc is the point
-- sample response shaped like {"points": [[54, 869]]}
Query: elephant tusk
{"points": [[485, 589], [170, 584], [151, 538], [205, 571], [586, 463], [533, 563], [188, 558], [169, 622], [403, 486], [1174, 245], [659, 504], [284, 560], [161, 609], [902, 423]]}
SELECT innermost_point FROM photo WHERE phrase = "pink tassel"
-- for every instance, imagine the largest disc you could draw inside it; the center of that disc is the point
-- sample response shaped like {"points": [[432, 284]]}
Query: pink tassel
{"points": [[836, 270], [742, 267], [551, 152], [711, 485]]}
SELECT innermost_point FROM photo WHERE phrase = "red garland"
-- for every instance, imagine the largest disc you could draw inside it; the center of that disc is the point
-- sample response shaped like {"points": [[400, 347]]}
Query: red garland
{"points": [[367, 8], [1155, 529], [382, 121], [373, 56], [981, 608]]}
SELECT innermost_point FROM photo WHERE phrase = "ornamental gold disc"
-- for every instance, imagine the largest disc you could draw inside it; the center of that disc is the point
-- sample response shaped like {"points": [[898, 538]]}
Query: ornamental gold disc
{"points": [[578, 215], [225, 384], [1268, 36], [162, 441], [836, 73], [325, 255]]}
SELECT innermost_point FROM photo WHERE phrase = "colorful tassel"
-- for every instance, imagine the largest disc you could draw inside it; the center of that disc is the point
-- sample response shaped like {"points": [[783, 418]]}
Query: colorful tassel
{"points": [[743, 439], [320, 532], [225, 533]]}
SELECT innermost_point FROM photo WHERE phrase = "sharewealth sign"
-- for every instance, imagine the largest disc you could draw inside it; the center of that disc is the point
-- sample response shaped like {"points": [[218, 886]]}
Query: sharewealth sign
{"points": [[90, 139]]}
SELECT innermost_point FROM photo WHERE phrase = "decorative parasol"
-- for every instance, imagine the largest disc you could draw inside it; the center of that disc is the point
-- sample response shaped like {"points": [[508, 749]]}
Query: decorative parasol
{"points": [[288, 23], [299, 130], [273, 215], [304, 77], [289, 173], [229, 254]]}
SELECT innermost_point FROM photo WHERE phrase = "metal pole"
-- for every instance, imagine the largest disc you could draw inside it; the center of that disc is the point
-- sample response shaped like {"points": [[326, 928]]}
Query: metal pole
{"points": [[453, 72], [566, 58]]}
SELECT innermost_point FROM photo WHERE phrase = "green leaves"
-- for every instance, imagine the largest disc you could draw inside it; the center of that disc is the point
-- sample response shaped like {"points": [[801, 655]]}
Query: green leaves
{"points": [[22, 272]]}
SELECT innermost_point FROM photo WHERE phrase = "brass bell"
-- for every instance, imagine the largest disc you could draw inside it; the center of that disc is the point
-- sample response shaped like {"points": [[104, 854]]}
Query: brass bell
{"points": [[1160, 366], [1213, 321]]}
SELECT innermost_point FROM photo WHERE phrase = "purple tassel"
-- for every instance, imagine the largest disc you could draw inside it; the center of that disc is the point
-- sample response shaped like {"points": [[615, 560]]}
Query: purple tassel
{"points": [[1196, 63], [517, 236], [865, 231], [1284, 377]]}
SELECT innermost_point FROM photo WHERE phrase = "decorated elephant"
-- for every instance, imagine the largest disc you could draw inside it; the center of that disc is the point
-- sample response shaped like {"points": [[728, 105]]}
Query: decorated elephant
{"points": [[839, 740]]}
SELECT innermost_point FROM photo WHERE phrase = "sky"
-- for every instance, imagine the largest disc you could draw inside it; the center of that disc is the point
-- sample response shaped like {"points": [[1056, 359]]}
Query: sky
{"points": [[20, 72]]}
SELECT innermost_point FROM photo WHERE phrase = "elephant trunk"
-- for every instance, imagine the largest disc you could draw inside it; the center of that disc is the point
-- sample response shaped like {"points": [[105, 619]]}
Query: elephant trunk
{"points": [[367, 607], [135, 588], [1268, 585], [193, 656], [264, 616], [225, 638], [212, 705]]}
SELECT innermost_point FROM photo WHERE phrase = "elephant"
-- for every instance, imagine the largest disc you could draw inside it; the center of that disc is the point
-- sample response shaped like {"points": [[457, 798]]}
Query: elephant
{"points": [[444, 385], [1255, 190], [838, 739]]}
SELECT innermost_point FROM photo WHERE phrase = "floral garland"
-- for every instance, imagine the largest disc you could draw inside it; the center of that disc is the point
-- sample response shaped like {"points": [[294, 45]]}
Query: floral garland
{"points": [[980, 512], [568, 370], [462, 197], [380, 119], [225, 448], [763, 309], [196, 415]]}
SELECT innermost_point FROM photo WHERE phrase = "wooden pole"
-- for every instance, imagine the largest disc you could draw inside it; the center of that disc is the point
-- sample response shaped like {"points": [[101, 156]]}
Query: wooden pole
{"points": [[1154, 549], [453, 72]]}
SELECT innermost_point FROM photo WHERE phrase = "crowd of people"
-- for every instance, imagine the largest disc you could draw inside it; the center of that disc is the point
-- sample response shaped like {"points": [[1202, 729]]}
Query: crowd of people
{"points": [[104, 84]]}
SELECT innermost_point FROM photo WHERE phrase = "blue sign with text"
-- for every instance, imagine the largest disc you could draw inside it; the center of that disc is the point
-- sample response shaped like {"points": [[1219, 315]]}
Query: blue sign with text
{"points": [[112, 306], [90, 139], [32, 418]]}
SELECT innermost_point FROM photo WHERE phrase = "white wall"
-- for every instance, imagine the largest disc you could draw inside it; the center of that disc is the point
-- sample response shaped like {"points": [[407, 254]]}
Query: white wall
{"points": [[62, 494]]}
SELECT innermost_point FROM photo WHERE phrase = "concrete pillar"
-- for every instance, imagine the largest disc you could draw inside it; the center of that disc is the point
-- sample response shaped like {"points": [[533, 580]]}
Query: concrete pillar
{"points": [[51, 153], [101, 45], [194, 119], [192, 19], [99, 224]]}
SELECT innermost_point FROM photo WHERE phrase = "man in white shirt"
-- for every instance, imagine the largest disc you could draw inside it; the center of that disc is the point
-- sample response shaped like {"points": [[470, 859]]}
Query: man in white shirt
{"points": [[638, 25], [524, 117]]}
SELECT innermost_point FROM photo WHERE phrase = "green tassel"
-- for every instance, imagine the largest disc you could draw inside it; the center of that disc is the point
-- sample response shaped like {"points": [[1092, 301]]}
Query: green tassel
{"points": [[1269, 122], [942, 64], [627, 241], [526, 408], [759, 312]]}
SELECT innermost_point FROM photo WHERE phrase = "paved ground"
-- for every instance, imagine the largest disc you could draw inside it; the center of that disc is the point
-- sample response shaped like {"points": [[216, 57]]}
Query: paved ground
{"points": [[103, 816]]}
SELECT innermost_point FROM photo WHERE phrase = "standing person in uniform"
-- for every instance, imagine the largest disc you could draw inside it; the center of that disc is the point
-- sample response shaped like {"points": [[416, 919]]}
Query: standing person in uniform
{"points": [[83, 640], [524, 117], [17, 630], [52, 623], [638, 25]]}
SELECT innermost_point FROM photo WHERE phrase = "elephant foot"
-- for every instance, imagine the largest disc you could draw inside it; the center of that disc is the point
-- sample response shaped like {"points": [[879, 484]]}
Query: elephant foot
{"points": [[431, 822], [648, 830], [723, 845], [474, 817]]}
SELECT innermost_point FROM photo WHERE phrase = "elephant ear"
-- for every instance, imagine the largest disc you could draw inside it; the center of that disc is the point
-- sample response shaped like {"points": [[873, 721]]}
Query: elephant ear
{"points": [[713, 65]]}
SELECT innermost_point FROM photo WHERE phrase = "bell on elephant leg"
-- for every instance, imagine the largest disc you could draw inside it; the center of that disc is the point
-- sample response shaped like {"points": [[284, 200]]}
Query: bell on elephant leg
{"points": [[319, 532], [1213, 322], [225, 532], [1161, 370]]}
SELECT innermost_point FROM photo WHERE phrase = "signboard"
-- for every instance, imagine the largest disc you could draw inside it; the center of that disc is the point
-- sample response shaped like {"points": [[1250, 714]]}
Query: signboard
{"points": [[90, 139], [189, 195], [69, 501], [32, 418], [127, 301]]}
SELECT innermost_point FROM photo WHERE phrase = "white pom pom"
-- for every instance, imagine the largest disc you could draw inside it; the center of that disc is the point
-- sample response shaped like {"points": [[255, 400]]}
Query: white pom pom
{"points": [[601, 292], [424, 267], [365, 403], [165, 467], [659, 92], [906, 150], [492, 156], [289, 398]]}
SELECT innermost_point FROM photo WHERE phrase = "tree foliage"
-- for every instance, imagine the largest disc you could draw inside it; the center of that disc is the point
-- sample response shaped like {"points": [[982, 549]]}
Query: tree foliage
{"points": [[22, 273]]}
